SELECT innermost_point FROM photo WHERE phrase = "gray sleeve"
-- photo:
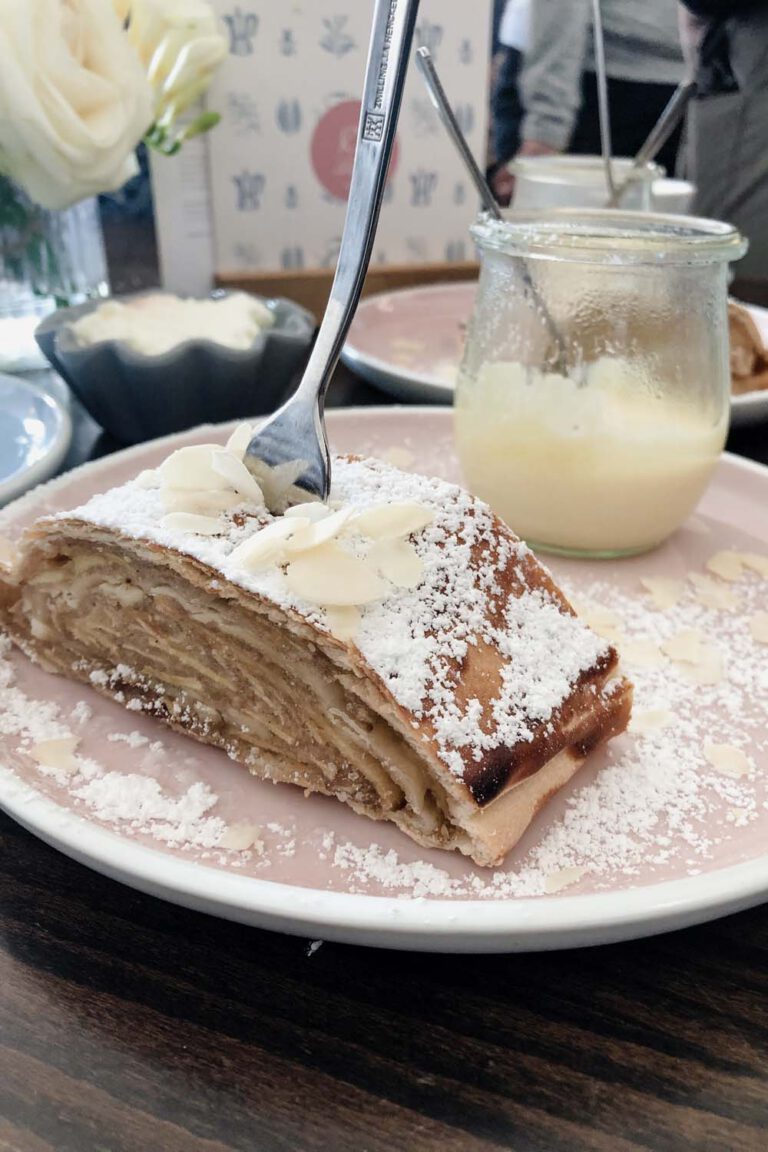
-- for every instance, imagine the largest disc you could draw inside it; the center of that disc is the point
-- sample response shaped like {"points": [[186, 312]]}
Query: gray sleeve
{"points": [[550, 83]]}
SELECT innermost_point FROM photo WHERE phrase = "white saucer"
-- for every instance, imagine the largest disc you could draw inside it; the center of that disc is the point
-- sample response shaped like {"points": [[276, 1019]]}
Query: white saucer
{"points": [[35, 433]]}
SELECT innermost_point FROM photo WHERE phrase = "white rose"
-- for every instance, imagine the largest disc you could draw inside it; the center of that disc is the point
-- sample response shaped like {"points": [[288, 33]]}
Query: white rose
{"points": [[180, 43], [74, 99]]}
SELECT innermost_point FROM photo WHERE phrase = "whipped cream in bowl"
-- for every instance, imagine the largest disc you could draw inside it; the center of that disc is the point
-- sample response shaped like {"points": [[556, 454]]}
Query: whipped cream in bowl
{"points": [[155, 323], [154, 363]]}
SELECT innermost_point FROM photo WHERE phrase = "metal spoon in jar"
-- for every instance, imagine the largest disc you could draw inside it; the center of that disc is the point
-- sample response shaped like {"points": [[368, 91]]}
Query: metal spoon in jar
{"points": [[289, 454], [669, 119], [441, 103]]}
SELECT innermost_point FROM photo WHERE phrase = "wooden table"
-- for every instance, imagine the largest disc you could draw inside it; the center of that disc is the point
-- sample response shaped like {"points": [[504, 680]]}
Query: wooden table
{"points": [[129, 1025]]}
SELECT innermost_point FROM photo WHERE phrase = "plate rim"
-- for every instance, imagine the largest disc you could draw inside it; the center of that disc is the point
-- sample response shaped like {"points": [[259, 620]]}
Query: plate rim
{"points": [[403, 922], [374, 369], [746, 408], [30, 476]]}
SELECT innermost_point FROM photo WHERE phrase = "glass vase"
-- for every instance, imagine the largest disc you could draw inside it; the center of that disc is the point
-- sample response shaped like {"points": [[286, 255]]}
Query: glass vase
{"points": [[48, 260]]}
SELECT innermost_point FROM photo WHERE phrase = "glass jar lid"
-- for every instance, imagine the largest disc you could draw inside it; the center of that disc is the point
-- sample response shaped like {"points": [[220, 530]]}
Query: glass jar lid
{"points": [[606, 236]]}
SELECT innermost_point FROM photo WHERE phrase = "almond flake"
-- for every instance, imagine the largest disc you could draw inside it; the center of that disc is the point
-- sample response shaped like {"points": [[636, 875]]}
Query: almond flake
{"points": [[758, 626], [664, 592], [687, 646], [277, 482], [602, 621], [398, 561], [642, 653], [399, 458], [596, 617], [562, 878], [652, 720], [712, 594], [727, 759], [147, 479], [313, 510], [229, 468], [191, 467], [708, 669], [239, 440], [388, 521], [329, 576], [344, 623], [191, 522], [323, 531], [240, 837], [755, 561], [56, 753], [267, 546], [726, 565]]}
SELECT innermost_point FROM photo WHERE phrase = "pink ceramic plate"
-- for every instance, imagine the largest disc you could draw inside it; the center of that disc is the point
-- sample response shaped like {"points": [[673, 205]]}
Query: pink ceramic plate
{"points": [[651, 836], [409, 343]]}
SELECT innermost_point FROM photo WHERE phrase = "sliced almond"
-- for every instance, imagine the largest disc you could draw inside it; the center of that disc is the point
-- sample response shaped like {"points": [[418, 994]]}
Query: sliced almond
{"points": [[652, 720], [314, 510], [399, 458], [398, 561], [687, 646], [321, 532], [756, 562], [596, 617], [712, 594], [229, 468], [240, 837], [277, 483], [330, 576], [239, 440], [758, 626], [56, 753], [708, 669], [148, 478], [664, 591], [388, 521], [726, 565], [192, 522], [267, 546], [191, 468], [642, 653], [344, 623], [729, 760], [562, 878]]}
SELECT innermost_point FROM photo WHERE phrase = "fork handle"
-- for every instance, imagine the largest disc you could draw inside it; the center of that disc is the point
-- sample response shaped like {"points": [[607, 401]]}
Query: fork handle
{"points": [[388, 55]]}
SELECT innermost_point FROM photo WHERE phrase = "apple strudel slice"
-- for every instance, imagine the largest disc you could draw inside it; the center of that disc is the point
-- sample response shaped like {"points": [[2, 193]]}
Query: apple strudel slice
{"points": [[400, 649]]}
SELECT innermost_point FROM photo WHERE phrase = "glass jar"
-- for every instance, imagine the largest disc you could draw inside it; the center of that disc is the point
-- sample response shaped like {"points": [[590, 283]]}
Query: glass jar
{"points": [[47, 260], [592, 401], [543, 182]]}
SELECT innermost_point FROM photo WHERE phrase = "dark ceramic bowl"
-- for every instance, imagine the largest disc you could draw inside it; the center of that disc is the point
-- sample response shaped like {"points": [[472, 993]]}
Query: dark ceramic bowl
{"points": [[136, 397]]}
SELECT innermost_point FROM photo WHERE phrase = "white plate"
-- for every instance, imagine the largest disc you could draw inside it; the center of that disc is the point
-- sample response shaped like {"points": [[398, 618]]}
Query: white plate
{"points": [[409, 344], [300, 884], [35, 432]]}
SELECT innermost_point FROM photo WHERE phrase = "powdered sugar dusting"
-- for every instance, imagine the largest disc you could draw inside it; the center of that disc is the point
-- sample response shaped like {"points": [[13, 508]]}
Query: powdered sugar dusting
{"points": [[414, 639]]}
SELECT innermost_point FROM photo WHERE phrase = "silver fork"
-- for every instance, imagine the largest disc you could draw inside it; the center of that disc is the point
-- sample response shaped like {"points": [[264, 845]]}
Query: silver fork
{"points": [[291, 449]]}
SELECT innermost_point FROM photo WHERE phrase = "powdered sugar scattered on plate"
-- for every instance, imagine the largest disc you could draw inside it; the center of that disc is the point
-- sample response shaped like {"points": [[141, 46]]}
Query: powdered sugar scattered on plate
{"points": [[675, 797]]}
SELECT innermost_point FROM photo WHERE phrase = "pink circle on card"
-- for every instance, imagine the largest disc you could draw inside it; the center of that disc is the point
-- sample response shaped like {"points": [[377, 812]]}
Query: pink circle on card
{"points": [[333, 148]]}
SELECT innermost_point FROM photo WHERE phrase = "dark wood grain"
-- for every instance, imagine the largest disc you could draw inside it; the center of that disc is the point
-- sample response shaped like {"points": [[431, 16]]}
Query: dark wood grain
{"points": [[129, 1025]]}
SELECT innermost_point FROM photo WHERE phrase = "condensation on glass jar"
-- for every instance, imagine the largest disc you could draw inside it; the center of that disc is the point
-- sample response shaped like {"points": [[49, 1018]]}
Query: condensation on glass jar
{"points": [[607, 453]]}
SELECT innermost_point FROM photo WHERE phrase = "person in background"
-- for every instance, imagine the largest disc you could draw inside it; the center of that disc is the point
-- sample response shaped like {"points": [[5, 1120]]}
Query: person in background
{"points": [[726, 149], [506, 104], [559, 88]]}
